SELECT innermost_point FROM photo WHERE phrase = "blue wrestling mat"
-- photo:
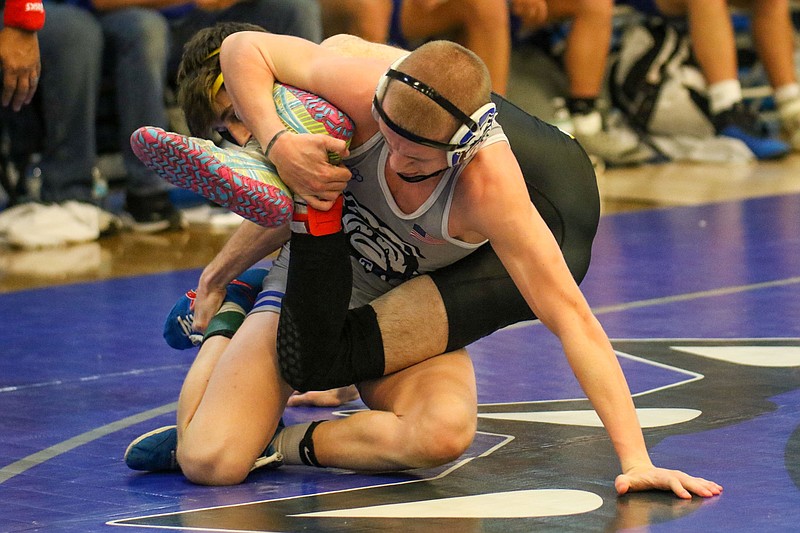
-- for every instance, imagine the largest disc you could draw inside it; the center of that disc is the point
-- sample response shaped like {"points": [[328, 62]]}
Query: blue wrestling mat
{"points": [[701, 304]]}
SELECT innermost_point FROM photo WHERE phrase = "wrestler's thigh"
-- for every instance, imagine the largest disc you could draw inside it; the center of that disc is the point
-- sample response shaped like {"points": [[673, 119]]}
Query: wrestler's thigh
{"points": [[246, 395], [441, 388], [413, 323], [479, 297]]}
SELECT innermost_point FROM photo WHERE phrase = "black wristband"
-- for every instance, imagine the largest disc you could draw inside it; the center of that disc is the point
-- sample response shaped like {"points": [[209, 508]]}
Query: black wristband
{"points": [[272, 142]]}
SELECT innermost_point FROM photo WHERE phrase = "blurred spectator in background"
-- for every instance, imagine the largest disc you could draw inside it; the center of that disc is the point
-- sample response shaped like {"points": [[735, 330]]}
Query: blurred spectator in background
{"points": [[714, 45], [135, 49], [60, 126], [483, 26], [19, 51], [585, 59], [368, 19]]}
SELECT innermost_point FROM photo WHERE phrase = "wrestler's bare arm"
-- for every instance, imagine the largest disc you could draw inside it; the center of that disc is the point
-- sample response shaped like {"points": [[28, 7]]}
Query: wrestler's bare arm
{"points": [[352, 46], [252, 60], [501, 211], [249, 244]]}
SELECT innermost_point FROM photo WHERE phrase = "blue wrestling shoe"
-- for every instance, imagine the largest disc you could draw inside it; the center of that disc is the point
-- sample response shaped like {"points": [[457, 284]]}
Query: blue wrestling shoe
{"points": [[156, 450], [241, 292]]}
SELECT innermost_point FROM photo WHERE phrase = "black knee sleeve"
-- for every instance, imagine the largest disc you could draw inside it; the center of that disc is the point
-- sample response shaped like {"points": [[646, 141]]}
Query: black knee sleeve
{"points": [[314, 362], [321, 344]]}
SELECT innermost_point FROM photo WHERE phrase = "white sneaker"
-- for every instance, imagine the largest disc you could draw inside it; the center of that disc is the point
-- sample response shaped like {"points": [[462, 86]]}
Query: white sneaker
{"points": [[613, 142], [12, 214], [59, 224], [216, 217]]}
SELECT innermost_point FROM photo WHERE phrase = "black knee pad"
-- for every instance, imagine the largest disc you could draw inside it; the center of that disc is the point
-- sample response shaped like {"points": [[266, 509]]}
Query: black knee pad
{"points": [[319, 363]]}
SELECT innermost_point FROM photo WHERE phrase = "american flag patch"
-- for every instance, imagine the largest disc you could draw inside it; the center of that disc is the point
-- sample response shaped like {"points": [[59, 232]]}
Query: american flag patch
{"points": [[418, 233]]}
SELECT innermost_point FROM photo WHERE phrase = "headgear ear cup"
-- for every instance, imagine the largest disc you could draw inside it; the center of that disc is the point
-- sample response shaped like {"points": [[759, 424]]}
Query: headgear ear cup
{"points": [[466, 138]]}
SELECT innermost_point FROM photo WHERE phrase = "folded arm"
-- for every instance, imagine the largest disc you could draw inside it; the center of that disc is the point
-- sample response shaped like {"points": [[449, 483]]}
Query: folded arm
{"points": [[253, 61]]}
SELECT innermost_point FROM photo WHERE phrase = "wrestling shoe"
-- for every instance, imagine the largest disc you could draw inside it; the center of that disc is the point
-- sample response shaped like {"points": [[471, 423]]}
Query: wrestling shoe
{"points": [[240, 180], [179, 327], [271, 458], [241, 292], [156, 451]]}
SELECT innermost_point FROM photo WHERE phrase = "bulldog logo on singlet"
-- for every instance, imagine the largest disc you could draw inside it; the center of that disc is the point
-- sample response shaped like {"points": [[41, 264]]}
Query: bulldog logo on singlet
{"points": [[380, 251]]}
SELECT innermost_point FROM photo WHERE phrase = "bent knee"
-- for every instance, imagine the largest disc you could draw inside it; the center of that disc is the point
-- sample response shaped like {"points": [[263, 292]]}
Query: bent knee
{"points": [[215, 466], [445, 439]]}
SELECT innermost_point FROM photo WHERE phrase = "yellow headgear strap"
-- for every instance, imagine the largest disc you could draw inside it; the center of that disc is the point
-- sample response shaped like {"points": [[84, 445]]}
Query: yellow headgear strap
{"points": [[215, 87]]}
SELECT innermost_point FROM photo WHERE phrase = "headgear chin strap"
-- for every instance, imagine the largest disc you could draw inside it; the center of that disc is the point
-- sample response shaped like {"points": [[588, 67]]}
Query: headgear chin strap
{"points": [[468, 136]]}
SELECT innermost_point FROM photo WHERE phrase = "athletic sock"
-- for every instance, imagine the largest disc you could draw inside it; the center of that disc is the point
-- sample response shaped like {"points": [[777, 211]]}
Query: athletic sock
{"points": [[586, 118], [581, 106], [225, 323], [724, 95], [787, 93]]}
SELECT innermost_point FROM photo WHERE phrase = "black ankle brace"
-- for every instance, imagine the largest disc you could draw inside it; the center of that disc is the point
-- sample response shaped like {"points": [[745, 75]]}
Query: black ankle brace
{"points": [[307, 454]]}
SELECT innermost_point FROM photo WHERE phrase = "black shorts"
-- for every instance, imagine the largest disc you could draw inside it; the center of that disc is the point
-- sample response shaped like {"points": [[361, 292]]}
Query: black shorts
{"points": [[479, 295]]}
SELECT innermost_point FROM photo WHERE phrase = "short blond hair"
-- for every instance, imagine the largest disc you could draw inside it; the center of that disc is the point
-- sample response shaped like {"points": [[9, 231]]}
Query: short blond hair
{"points": [[453, 71]]}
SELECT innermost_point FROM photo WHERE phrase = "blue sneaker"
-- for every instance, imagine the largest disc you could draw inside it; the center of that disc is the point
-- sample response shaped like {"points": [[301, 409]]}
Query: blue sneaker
{"points": [[156, 451], [740, 123], [178, 328]]}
